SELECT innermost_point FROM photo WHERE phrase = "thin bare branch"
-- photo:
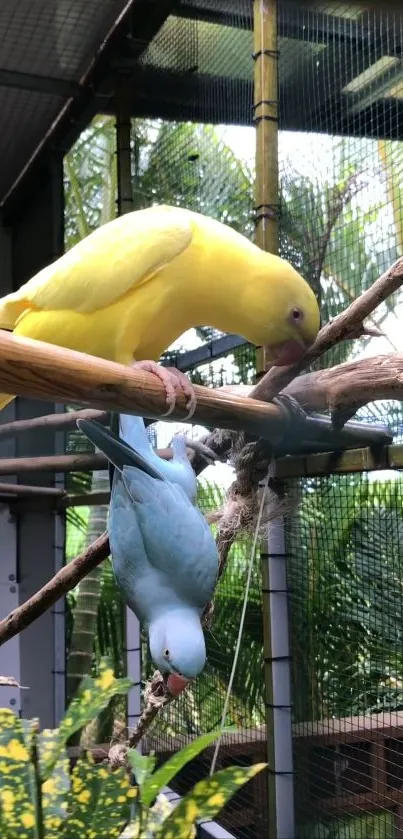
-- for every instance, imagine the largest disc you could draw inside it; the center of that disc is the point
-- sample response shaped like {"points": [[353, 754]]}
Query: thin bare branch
{"points": [[52, 591]]}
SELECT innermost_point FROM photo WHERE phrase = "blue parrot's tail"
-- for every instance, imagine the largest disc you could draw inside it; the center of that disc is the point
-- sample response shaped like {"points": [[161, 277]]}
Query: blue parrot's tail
{"points": [[117, 452]]}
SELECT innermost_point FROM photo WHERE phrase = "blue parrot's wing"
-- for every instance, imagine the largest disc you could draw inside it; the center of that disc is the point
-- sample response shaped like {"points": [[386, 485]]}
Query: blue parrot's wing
{"points": [[133, 432], [146, 590], [117, 451], [178, 470], [176, 537]]}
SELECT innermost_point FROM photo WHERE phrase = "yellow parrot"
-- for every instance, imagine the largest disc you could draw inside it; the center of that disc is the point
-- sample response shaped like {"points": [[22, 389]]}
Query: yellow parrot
{"points": [[134, 285]]}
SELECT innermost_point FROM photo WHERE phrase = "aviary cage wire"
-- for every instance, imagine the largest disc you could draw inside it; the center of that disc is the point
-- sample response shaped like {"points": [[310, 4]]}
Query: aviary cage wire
{"points": [[341, 225]]}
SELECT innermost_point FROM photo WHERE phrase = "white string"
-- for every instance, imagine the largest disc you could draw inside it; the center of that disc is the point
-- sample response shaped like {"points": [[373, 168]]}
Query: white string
{"points": [[241, 624]]}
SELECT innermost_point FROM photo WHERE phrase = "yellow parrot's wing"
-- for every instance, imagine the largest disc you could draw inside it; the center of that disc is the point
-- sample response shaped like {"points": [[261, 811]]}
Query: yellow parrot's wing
{"points": [[105, 265]]}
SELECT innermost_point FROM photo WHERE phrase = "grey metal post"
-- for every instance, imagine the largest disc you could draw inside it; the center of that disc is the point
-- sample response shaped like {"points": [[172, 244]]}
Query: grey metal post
{"points": [[278, 684], [125, 205]]}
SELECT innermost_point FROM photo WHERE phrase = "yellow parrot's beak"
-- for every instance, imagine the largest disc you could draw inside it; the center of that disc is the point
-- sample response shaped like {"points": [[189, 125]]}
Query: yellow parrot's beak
{"points": [[287, 352]]}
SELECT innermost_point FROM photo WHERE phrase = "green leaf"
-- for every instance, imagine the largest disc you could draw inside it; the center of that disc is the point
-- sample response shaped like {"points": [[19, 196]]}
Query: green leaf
{"points": [[56, 788], [142, 766], [94, 695], [171, 767], [17, 780], [99, 802], [151, 821], [205, 800]]}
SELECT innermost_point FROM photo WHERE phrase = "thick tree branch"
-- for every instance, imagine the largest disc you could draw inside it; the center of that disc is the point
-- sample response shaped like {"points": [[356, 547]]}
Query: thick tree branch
{"points": [[344, 389], [57, 587]]}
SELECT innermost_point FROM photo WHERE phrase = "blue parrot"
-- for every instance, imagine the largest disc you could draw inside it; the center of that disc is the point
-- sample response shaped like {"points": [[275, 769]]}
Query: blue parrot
{"points": [[164, 555]]}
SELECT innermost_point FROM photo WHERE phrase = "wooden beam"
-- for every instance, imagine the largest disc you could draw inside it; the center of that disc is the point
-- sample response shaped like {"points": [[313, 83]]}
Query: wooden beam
{"points": [[341, 463]]}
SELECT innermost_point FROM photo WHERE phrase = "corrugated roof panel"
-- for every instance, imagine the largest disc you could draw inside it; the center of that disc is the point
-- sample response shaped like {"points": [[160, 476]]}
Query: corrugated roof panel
{"points": [[23, 116], [202, 47], [54, 37]]}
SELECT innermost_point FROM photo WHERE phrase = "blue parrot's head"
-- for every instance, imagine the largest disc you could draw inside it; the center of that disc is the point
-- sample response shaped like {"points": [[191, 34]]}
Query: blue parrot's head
{"points": [[177, 647]]}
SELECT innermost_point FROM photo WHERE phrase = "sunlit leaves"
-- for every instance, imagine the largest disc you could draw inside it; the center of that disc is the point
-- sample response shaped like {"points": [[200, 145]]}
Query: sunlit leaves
{"points": [[17, 780], [99, 802], [94, 695], [163, 776], [142, 767], [55, 786], [205, 800]]}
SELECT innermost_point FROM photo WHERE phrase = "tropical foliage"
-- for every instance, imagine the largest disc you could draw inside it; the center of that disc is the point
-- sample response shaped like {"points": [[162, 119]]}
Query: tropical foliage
{"points": [[41, 799]]}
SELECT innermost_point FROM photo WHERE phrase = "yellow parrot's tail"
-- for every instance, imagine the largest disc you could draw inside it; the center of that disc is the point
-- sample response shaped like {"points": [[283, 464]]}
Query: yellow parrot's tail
{"points": [[5, 398]]}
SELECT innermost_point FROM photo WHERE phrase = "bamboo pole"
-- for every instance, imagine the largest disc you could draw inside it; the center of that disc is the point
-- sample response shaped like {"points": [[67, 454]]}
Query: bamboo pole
{"points": [[274, 603], [16, 490], [52, 422], [265, 110], [53, 463], [43, 371]]}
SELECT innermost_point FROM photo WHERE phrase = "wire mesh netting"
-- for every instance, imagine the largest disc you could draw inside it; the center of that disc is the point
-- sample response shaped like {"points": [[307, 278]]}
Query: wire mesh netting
{"points": [[44, 46], [345, 563], [341, 168], [341, 222]]}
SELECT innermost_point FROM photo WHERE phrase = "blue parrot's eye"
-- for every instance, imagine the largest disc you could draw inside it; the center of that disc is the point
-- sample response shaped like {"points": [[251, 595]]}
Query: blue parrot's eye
{"points": [[166, 653]]}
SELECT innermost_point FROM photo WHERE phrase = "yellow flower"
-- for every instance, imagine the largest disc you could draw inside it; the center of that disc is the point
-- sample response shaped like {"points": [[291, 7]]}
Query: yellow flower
{"points": [[49, 786], [47, 754], [17, 750], [103, 773], [121, 799], [216, 800], [27, 819], [106, 679], [84, 796], [192, 811], [132, 792], [77, 783], [7, 799]]}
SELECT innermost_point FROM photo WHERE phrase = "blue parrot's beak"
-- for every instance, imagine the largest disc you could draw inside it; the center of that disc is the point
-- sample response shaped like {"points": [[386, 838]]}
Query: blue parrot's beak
{"points": [[175, 683]]}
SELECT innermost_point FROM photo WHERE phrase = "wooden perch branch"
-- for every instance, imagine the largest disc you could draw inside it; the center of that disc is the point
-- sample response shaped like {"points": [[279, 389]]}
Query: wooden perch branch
{"points": [[52, 591], [43, 371]]}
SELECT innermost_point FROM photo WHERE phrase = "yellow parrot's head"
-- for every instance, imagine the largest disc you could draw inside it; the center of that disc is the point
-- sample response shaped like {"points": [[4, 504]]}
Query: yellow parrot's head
{"points": [[287, 319]]}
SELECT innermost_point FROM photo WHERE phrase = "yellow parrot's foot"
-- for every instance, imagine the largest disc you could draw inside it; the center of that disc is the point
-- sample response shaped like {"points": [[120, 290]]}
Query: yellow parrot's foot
{"points": [[174, 382]]}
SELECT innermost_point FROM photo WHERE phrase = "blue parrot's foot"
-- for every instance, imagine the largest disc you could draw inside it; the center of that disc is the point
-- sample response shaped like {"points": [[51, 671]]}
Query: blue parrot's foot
{"points": [[174, 381]]}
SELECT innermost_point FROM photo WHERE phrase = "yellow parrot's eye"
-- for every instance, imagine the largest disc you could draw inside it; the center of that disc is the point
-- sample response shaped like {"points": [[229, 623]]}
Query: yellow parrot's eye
{"points": [[296, 315]]}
